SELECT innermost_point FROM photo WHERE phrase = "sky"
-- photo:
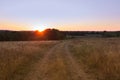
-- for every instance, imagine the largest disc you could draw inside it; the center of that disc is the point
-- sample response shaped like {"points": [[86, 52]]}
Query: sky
{"points": [[82, 15]]}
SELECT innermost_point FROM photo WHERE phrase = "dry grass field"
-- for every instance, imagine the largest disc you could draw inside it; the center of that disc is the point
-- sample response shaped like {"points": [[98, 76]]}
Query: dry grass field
{"points": [[17, 57], [77, 59], [100, 57]]}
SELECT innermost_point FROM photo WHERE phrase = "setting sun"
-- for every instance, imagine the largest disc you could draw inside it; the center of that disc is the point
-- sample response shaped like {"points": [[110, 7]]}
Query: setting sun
{"points": [[40, 28]]}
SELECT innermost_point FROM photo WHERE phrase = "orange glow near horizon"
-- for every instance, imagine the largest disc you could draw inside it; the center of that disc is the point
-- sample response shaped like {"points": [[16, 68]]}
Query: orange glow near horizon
{"points": [[89, 27], [13, 26], [64, 27]]}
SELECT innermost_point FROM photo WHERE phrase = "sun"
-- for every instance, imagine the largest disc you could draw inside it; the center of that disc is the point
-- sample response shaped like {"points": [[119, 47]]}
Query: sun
{"points": [[39, 28]]}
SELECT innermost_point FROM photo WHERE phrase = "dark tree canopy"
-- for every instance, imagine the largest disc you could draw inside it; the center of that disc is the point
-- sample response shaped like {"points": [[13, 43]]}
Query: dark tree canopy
{"points": [[48, 34], [52, 34]]}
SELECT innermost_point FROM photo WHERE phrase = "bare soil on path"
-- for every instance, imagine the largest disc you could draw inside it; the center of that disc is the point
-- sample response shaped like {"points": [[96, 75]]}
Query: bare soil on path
{"points": [[58, 64]]}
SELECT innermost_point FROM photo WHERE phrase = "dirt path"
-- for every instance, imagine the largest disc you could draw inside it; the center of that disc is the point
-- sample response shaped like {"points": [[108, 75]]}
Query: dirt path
{"points": [[57, 64], [76, 70]]}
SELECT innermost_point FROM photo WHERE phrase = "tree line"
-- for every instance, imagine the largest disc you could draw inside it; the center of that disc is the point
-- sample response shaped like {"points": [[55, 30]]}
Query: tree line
{"points": [[52, 34], [48, 34], [93, 33]]}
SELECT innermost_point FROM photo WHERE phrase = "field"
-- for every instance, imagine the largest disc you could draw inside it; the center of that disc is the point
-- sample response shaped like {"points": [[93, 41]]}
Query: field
{"points": [[99, 57], [16, 58], [76, 59]]}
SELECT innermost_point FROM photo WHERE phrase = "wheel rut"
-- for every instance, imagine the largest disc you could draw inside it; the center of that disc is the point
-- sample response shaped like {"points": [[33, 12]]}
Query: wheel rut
{"points": [[58, 64]]}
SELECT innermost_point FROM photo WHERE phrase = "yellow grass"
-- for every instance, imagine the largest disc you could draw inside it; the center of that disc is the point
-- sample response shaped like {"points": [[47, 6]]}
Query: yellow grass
{"points": [[16, 57], [100, 57]]}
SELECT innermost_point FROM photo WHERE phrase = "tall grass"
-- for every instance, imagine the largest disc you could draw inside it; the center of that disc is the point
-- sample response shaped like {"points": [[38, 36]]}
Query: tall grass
{"points": [[100, 57], [16, 57]]}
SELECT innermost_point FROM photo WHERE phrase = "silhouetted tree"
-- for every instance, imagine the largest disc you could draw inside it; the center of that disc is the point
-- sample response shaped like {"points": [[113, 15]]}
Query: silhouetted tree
{"points": [[53, 34]]}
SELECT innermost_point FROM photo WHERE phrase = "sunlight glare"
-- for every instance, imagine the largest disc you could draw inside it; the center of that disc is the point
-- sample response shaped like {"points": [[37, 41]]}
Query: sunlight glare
{"points": [[40, 28]]}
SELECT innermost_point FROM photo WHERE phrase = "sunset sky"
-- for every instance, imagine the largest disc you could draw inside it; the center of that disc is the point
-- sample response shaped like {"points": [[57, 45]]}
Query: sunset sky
{"points": [[82, 15]]}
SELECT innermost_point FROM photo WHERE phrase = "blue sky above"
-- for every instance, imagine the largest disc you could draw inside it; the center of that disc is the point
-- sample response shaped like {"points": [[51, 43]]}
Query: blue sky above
{"points": [[47, 12]]}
